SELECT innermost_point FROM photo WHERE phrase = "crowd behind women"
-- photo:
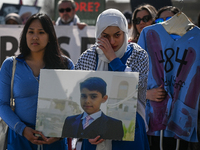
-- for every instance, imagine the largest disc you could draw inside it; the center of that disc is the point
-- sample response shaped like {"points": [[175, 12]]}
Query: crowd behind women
{"points": [[113, 51]]}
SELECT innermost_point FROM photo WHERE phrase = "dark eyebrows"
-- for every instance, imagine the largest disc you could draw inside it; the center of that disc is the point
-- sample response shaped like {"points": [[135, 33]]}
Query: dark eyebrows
{"points": [[93, 94], [117, 32], [114, 33], [104, 33], [33, 29]]}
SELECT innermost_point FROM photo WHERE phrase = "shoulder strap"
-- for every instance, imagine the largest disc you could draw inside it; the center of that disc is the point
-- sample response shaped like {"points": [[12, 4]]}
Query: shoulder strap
{"points": [[12, 100]]}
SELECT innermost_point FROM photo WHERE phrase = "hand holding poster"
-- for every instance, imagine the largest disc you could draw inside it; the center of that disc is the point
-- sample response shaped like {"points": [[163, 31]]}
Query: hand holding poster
{"points": [[109, 97]]}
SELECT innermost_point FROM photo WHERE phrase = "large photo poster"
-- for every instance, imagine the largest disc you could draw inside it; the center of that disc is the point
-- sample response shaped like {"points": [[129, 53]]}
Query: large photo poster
{"points": [[109, 98]]}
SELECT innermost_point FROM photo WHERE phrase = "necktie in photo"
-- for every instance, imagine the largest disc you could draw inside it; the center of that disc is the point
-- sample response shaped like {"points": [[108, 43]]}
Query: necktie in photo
{"points": [[87, 121]]}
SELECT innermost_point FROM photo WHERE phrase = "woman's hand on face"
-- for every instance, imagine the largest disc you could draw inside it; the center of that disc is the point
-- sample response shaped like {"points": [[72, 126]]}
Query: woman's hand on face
{"points": [[29, 133], [96, 140], [105, 46], [156, 94]]}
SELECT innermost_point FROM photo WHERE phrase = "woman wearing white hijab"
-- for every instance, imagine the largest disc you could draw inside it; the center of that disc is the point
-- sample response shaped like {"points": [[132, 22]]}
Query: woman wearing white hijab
{"points": [[111, 52]]}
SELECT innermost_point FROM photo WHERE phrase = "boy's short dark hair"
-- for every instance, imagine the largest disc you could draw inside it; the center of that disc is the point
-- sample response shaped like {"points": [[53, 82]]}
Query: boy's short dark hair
{"points": [[94, 84]]}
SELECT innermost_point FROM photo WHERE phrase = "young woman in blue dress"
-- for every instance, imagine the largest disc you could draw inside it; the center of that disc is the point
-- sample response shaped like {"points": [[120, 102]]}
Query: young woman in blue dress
{"points": [[38, 50]]}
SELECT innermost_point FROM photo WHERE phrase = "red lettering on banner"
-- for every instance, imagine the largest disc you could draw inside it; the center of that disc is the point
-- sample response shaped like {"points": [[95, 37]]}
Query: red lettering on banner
{"points": [[97, 6], [87, 6], [90, 7], [83, 6], [77, 6]]}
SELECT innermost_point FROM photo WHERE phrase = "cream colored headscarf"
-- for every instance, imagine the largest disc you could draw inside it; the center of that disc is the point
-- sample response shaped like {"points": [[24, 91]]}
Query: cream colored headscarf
{"points": [[110, 17]]}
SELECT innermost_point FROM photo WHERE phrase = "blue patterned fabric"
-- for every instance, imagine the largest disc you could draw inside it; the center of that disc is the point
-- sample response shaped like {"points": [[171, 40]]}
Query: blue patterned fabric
{"points": [[176, 65]]}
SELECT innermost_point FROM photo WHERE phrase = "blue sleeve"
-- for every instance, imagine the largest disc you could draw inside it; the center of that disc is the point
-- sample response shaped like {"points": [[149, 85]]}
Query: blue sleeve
{"points": [[117, 65], [86, 145], [5, 87], [142, 40], [70, 64]]}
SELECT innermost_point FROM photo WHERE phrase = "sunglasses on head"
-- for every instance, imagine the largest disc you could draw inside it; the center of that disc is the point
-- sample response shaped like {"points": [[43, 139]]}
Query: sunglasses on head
{"points": [[66, 9], [144, 19], [159, 20]]}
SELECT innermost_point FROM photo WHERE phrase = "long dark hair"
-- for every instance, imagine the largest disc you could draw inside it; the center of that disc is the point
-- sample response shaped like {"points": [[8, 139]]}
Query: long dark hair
{"points": [[152, 12], [53, 56], [172, 9], [198, 20]]}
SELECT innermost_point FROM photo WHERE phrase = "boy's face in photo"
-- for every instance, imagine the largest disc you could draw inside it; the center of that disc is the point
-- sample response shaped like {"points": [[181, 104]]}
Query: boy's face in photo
{"points": [[91, 100]]}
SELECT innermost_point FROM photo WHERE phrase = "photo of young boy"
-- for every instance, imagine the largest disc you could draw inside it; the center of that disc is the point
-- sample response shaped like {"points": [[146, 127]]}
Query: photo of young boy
{"points": [[92, 122]]}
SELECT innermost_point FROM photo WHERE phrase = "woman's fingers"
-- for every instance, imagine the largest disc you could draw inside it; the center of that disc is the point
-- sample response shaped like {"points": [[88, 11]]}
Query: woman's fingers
{"points": [[38, 139], [29, 134], [156, 94], [107, 49], [43, 137], [104, 42]]}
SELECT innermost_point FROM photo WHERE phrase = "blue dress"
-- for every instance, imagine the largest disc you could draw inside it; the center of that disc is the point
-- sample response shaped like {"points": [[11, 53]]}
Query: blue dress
{"points": [[25, 93]]}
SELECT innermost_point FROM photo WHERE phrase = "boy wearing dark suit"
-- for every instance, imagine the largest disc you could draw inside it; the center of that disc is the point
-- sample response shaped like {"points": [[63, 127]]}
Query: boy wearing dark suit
{"points": [[93, 122]]}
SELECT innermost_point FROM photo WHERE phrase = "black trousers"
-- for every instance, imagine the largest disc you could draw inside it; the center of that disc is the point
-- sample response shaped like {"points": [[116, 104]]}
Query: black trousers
{"points": [[169, 143]]}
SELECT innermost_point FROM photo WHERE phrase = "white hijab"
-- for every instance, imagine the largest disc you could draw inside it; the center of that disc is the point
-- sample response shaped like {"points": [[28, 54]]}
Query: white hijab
{"points": [[110, 17]]}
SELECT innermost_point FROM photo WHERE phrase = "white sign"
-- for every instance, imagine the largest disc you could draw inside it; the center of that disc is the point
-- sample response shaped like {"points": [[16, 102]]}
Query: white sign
{"points": [[70, 38]]}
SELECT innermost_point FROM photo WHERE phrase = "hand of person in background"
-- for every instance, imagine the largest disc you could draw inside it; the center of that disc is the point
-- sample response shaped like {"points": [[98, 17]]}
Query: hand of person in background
{"points": [[156, 94], [81, 25], [54, 23]]}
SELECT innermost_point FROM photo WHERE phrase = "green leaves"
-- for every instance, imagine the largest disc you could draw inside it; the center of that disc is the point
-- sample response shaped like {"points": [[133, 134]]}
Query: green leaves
{"points": [[129, 132]]}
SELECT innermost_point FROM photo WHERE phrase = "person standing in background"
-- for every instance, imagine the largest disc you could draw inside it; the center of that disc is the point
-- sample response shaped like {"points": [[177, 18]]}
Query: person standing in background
{"points": [[143, 15], [13, 18], [128, 16], [165, 13], [67, 14]]}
